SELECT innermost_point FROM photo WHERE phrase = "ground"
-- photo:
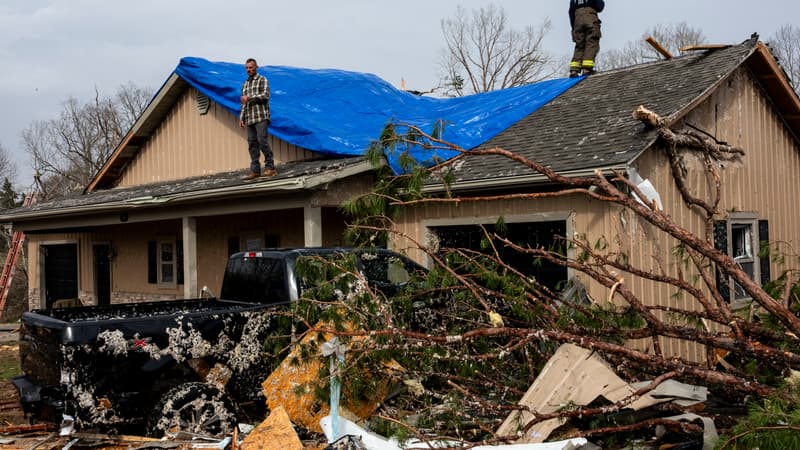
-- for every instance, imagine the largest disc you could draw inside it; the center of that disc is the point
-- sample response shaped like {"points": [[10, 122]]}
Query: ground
{"points": [[10, 412]]}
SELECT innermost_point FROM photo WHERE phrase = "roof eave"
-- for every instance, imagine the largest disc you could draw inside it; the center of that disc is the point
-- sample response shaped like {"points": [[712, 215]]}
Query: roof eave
{"points": [[140, 131], [306, 182], [521, 180], [775, 82]]}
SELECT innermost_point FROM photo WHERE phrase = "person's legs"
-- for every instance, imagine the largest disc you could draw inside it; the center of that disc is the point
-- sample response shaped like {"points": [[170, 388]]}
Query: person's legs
{"points": [[252, 147], [587, 21], [592, 46], [263, 144], [579, 38]]}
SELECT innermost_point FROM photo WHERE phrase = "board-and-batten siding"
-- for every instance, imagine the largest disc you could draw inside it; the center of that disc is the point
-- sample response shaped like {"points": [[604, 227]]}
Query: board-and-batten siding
{"points": [[765, 182], [762, 183], [188, 144]]}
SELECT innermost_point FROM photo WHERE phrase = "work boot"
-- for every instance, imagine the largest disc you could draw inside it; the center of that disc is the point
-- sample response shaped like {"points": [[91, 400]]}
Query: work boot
{"points": [[250, 176], [269, 173], [588, 71], [574, 73]]}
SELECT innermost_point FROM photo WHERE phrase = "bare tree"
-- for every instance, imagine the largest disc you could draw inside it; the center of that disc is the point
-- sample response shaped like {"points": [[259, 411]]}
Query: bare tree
{"points": [[8, 168], [785, 43], [483, 54], [68, 151], [671, 37]]}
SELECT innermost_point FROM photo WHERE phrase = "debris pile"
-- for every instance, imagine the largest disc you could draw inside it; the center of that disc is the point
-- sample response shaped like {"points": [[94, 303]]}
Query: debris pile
{"points": [[573, 377]]}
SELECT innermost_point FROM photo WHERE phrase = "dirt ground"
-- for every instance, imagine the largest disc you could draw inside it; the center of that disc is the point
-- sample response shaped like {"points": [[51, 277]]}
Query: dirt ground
{"points": [[10, 413]]}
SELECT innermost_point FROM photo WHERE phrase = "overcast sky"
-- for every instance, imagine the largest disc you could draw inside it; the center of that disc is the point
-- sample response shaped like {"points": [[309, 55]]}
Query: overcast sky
{"points": [[53, 49]]}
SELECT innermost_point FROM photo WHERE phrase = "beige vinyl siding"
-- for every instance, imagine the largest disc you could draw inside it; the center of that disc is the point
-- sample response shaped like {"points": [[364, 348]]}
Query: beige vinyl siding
{"points": [[763, 183], [188, 144]]}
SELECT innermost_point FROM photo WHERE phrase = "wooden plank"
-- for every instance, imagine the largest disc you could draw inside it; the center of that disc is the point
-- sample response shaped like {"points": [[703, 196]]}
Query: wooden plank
{"points": [[660, 49], [700, 47]]}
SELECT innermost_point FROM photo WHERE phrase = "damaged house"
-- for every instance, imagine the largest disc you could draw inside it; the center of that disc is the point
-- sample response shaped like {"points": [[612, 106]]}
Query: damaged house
{"points": [[168, 208]]}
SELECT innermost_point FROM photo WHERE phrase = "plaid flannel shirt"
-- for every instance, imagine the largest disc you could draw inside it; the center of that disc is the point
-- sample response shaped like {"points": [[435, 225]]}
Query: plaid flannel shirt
{"points": [[257, 108]]}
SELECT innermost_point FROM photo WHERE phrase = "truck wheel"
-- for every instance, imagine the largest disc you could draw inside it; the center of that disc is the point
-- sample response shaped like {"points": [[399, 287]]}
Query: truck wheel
{"points": [[198, 409]]}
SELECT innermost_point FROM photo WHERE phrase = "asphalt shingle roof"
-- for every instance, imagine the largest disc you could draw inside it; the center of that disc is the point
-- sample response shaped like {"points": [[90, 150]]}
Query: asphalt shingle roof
{"points": [[590, 126], [229, 180]]}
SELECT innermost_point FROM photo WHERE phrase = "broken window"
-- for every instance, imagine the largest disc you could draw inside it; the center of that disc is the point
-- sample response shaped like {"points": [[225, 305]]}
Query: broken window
{"points": [[742, 237]]}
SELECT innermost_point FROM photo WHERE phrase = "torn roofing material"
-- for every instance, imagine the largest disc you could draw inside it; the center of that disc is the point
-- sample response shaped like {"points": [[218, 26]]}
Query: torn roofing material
{"points": [[336, 112]]}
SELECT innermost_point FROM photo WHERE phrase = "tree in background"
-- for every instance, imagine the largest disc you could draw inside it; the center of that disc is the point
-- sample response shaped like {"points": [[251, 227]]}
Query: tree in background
{"points": [[785, 43], [68, 151], [8, 198], [483, 53], [8, 169], [671, 37]]}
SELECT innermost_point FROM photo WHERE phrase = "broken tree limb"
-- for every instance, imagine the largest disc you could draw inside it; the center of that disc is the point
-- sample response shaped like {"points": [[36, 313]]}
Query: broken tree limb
{"points": [[689, 139]]}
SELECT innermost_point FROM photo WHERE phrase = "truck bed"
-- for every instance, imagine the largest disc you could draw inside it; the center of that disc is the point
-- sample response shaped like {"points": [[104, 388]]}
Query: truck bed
{"points": [[81, 325]]}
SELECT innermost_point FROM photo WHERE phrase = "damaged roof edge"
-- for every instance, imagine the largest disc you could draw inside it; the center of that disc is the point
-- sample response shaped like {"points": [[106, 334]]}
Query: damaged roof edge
{"points": [[682, 112], [535, 178], [288, 184]]}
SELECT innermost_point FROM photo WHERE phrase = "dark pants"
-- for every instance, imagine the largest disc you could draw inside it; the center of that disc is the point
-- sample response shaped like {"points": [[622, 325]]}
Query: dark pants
{"points": [[586, 35], [257, 144]]}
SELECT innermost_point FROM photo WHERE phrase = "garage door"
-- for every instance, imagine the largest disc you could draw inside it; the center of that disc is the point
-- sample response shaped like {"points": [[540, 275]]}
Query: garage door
{"points": [[533, 234]]}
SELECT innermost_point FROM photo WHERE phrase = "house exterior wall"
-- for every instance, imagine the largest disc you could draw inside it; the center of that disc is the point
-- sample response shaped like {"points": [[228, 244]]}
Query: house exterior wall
{"points": [[188, 144], [129, 264], [414, 225], [765, 183]]}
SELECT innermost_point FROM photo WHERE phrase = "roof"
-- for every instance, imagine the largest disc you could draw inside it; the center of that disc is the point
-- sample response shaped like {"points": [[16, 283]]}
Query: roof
{"points": [[573, 128], [591, 126], [294, 176], [337, 112]]}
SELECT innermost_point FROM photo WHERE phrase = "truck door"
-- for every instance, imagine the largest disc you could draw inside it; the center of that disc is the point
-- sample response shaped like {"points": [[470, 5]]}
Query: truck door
{"points": [[60, 272]]}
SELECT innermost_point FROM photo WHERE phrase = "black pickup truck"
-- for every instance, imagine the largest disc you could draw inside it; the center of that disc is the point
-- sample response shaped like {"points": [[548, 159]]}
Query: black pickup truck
{"points": [[186, 365]]}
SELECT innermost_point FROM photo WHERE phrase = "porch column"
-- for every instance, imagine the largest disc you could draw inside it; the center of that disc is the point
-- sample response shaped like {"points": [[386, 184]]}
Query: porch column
{"points": [[190, 257], [312, 226]]}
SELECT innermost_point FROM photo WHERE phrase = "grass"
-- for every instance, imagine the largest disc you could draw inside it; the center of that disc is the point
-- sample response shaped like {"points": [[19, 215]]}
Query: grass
{"points": [[9, 361]]}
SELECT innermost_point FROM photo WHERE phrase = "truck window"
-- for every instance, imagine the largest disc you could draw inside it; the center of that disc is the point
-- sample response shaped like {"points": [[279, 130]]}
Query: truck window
{"points": [[383, 270], [255, 280]]}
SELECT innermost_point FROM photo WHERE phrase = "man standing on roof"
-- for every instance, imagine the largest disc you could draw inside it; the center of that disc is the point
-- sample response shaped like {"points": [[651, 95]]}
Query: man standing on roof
{"points": [[586, 35], [255, 116]]}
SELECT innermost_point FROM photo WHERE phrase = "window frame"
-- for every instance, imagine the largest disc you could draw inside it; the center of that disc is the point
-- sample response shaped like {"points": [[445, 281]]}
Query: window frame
{"points": [[160, 263], [739, 220]]}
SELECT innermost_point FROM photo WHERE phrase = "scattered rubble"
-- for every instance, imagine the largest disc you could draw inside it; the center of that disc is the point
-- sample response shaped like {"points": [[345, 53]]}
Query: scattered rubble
{"points": [[572, 377]]}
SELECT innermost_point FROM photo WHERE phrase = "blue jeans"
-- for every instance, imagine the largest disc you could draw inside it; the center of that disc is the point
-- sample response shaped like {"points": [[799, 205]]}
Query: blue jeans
{"points": [[257, 143]]}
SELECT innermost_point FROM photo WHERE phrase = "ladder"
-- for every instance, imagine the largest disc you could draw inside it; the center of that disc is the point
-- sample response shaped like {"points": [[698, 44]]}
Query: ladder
{"points": [[11, 259]]}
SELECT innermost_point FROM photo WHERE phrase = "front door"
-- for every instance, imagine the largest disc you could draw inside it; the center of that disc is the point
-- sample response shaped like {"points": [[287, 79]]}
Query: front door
{"points": [[102, 273], [60, 272]]}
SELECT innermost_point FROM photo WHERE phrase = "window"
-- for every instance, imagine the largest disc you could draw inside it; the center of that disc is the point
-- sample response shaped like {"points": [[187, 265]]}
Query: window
{"points": [[165, 262], [741, 249], [741, 237], [256, 240]]}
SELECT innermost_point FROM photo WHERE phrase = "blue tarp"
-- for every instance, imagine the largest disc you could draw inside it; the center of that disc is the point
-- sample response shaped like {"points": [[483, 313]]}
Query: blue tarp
{"points": [[337, 112]]}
